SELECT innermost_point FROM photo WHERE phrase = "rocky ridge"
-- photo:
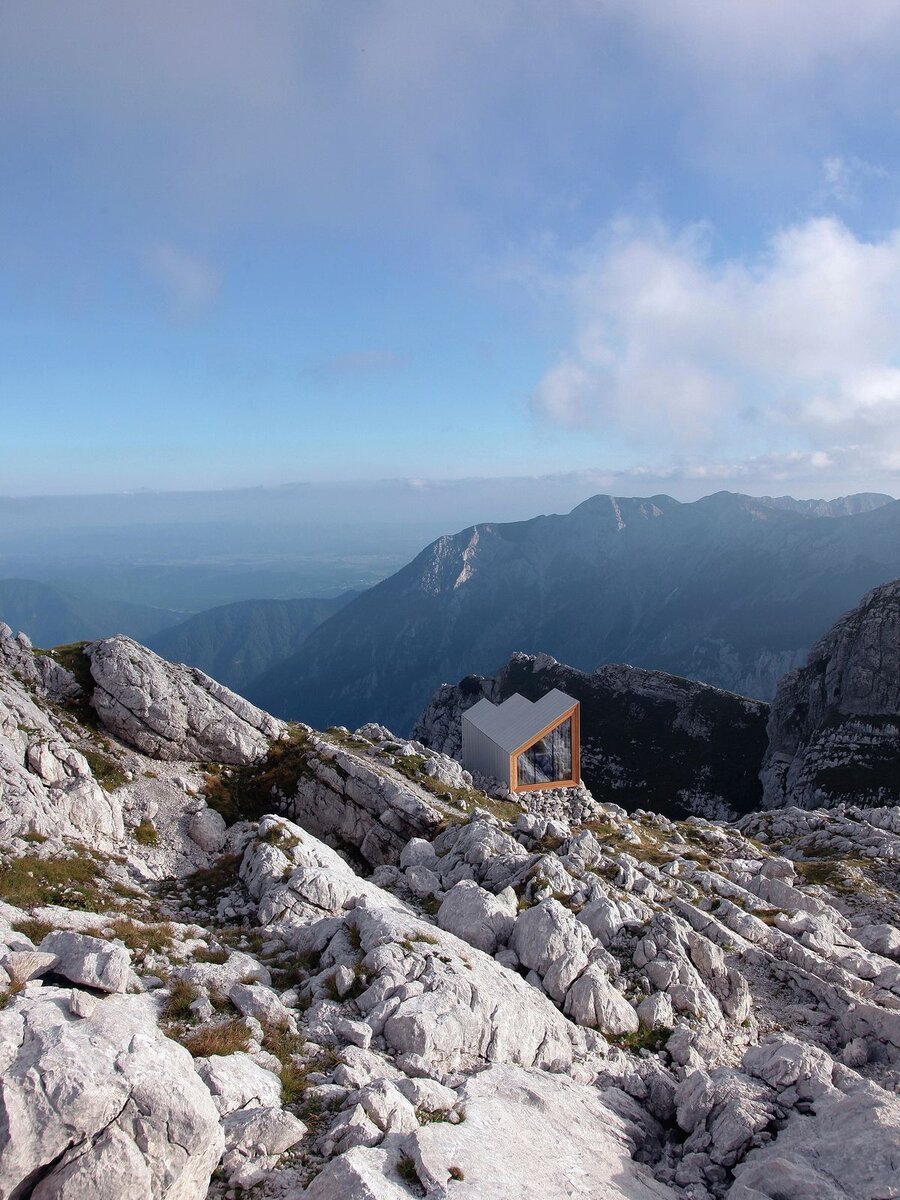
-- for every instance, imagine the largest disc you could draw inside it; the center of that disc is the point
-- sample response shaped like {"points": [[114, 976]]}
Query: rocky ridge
{"points": [[648, 739], [834, 728], [479, 1001]]}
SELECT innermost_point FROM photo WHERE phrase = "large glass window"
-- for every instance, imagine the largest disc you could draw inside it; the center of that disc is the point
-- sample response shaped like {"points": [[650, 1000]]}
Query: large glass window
{"points": [[549, 759]]}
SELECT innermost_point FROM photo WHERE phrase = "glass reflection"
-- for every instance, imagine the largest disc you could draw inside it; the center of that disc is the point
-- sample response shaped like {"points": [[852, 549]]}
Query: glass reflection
{"points": [[548, 760]]}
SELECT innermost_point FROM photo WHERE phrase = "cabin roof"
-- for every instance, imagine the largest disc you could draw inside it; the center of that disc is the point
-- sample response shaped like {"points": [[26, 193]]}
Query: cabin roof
{"points": [[514, 723]]}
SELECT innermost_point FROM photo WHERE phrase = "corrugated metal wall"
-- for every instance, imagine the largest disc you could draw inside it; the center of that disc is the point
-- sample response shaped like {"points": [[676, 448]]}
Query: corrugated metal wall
{"points": [[481, 754]]}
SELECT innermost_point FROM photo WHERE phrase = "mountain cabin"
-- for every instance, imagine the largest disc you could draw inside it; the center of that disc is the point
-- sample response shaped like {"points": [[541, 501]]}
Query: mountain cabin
{"points": [[527, 744]]}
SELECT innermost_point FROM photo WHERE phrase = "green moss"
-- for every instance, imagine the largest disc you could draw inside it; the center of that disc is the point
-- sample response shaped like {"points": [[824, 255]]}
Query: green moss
{"points": [[145, 833]]}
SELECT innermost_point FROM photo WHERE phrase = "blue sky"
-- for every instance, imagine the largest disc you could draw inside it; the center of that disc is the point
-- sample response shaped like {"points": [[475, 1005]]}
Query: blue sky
{"points": [[251, 244]]}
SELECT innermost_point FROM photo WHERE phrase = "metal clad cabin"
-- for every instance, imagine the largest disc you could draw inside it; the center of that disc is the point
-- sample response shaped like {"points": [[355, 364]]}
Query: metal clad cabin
{"points": [[528, 745]]}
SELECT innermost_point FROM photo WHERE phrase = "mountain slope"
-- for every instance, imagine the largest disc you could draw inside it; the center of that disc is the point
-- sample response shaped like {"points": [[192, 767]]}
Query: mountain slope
{"points": [[534, 1002], [648, 740], [730, 590], [237, 642], [51, 615], [834, 730]]}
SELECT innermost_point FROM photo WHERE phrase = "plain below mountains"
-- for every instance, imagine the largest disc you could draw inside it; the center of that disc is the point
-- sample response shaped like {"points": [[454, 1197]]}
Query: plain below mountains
{"points": [[730, 590]]}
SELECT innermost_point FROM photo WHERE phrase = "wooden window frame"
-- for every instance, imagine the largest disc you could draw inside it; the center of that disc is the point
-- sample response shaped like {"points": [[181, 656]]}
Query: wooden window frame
{"points": [[575, 714]]}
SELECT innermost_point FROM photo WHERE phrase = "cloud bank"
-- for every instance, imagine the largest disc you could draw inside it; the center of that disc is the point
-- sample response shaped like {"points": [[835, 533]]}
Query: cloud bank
{"points": [[670, 345]]}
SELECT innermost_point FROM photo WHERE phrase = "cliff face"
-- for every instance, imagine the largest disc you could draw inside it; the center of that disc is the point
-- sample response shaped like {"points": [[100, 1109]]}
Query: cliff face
{"points": [[649, 740], [834, 728]]}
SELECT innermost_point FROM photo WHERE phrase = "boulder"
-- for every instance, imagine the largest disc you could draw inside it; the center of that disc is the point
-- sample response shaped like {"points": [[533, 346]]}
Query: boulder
{"points": [[104, 1106], [89, 961], [477, 916], [593, 1001], [236, 1082]]}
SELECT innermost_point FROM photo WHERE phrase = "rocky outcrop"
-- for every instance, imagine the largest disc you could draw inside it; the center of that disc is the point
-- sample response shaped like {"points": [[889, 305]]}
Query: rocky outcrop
{"points": [[422, 988], [47, 786], [526, 1134], [834, 728], [174, 712], [649, 740], [373, 791], [101, 1105]]}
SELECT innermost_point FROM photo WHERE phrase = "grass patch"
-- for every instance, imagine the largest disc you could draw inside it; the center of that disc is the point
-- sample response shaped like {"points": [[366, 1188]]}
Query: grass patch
{"points": [[284, 1043], [178, 1006], [643, 1038], [145, 833], [247, 793], [768, 916], [279, 837], [406, 1169], [413, 767], [30, 881], [204, 887], [211, 954], [105, 769], [36, 839], [846, 875], [154, 938], [14, 987], [295, 1076], [226, 1038], [34, 929], [347, 739]]}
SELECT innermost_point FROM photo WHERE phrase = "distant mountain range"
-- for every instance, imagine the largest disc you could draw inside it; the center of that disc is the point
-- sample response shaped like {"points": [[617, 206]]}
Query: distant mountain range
{"points": [[731, 590], [51, 615], [234, 643]]}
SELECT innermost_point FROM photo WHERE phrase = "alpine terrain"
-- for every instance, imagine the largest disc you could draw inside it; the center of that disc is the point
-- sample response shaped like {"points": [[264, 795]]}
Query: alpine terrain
{"points": [[242, 956], [730, 590]]}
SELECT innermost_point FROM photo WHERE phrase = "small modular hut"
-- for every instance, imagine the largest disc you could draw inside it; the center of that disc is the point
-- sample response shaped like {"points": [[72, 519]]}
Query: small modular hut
{"points": [[526, 744]]}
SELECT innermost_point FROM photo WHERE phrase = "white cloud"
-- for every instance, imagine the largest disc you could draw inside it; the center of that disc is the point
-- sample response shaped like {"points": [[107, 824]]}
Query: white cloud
{"points": [[845, 179], [799, 345], [189, 284]]}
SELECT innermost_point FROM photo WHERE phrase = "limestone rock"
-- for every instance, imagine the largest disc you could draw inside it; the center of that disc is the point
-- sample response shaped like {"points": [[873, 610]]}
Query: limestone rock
{"points": [[103, 1106], [89, 961], [174, 712], [236, 1082], [527, 1134], [593, 1001], [477, 916], [848, 1149], [207, 828]]}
